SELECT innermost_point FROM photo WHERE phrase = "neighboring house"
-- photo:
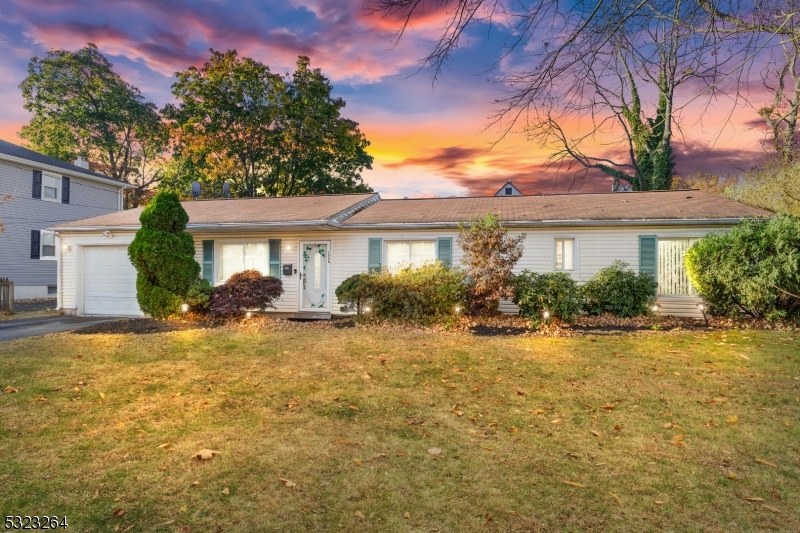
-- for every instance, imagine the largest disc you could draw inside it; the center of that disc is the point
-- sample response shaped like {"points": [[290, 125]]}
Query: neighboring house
{"points": [[312, 243], [509, 189], [45, 191]]}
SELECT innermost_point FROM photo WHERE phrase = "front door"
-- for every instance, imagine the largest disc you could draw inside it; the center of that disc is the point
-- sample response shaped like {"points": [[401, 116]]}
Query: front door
{"points": [[315, 271]]}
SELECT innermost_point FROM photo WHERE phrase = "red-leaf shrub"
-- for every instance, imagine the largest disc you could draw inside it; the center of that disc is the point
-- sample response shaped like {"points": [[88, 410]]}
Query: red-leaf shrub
{"points": [[245, 291]]}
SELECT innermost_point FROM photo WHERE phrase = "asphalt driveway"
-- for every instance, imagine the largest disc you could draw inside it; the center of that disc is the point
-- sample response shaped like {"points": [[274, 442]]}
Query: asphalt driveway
{"points": [[32, 327]]}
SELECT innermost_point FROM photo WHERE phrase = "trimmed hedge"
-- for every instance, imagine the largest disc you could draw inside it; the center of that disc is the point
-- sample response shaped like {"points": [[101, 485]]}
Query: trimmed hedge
{"points": [[199, 296], [555, 292], [619, 291], [163, 254], [752, 269]]}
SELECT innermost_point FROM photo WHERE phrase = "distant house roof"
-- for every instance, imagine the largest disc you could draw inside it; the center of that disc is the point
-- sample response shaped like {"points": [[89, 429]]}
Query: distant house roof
{"points": [[508, 189], [12, 152], [559, 209], [319, 210]]}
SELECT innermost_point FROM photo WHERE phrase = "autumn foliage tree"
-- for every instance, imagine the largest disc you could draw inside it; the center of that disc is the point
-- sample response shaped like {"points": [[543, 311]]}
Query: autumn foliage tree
{"points": [[489, 257]]}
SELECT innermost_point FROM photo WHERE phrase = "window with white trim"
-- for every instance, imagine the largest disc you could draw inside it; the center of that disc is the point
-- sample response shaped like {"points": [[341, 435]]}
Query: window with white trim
{"points": [[51, 188], [565, 254], [239, 257], [671, 274], [408, 254], [47, 245]]}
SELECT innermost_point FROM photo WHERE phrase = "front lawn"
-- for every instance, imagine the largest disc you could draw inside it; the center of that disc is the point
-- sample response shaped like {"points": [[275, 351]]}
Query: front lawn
{"points": [[320, 429]]}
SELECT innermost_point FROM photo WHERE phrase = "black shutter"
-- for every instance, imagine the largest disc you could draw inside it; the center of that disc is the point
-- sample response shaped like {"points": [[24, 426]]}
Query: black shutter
{"points": [[64, 190], [37, 184], [35, 240], [208, 261]]}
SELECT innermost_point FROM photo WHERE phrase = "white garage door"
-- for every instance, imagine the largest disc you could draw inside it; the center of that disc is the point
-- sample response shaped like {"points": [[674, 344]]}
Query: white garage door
{"points": [[109, 282]]}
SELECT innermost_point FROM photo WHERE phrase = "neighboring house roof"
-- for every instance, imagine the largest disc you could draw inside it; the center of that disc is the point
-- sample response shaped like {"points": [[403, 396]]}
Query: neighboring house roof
{"points": [[17, 154], [689, 206], [241, 212], [369, 211]]}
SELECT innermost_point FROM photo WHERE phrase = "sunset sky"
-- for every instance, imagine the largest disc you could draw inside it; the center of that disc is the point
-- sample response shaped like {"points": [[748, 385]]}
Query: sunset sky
{"points": [[427, 140]]}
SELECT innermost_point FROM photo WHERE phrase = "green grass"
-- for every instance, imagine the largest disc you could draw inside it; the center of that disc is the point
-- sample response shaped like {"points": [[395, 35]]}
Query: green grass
{"points": [[349, 416]]}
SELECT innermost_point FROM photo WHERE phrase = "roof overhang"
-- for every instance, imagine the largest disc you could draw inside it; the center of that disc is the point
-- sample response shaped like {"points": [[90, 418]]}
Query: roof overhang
{"points": [[560, 223], [64, 171]]}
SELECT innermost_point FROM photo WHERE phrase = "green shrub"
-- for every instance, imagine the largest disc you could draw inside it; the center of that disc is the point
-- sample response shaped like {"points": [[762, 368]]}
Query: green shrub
{"points": [[555, 292], [619, 291], [421, 295], [199, 296], [163, 254], [244, 291], [352, 293], [753, 269]]}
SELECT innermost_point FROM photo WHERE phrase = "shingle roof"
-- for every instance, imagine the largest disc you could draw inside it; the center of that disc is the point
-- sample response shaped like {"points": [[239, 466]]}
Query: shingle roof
{"points": [[23, 153], [273, 210], [631, 206]]}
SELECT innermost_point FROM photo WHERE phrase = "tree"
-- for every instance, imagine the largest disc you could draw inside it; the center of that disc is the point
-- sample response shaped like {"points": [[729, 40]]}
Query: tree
{"points": [[774, 185], [81, 107], [489, 255], [268, 135], [163, 254], [594, 61]]}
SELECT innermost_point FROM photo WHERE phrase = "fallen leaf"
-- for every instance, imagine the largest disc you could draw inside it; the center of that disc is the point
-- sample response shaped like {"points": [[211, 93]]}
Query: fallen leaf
{"points": [[165, 445], [288, 483], [10, 390], [226, 490], [659, 502], [733, 420], [668, 425], [360, 515], [102, 396], [731, 476], [743, 356], [406, 515], [367, 375], [771, 508], [205, 454], [556, 421], [119, 511], [608, 407], [754, 499], [617, 428], [358, 461], [763, 462], [435, 451], [183, 509], [596, 433], [538, 411], [574, 484], [521, 393], [616, 498]]}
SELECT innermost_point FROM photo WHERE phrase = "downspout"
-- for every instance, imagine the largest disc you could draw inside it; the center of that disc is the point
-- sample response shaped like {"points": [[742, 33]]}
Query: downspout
{"points": [[59, 284]]}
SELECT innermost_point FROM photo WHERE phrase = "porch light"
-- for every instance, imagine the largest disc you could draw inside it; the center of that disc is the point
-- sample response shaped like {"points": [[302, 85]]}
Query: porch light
{"points": [[184, 308], [66, 247]]}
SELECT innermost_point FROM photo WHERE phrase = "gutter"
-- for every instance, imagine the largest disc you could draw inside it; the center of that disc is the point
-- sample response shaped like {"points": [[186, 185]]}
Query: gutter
{"points": [[63, 171]]}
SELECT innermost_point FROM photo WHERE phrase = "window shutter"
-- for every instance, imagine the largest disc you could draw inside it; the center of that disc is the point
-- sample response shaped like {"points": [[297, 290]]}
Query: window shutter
{"points": [[444, 250], [275, 258], [37, 184], [208, 261], [64, 190], [35, 241], [375, 253], [647, 254]]}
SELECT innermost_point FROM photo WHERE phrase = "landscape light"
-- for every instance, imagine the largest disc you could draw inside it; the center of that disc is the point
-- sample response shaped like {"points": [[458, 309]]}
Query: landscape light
{"points": [[249, 314], [655, 308], [367, 309], [457, 309], [184, 308], [702, 307], [546, 315]]}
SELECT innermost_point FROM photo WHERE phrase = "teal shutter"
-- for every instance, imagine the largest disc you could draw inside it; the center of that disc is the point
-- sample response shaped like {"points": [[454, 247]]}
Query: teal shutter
{"points": [[375, 255], [648, 250], [208, 261], [444, 250], [275, 258]]}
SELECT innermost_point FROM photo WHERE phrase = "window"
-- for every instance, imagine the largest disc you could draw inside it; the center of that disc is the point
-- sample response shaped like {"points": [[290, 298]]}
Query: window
{"points": [[50, 187], [565, 254], [238, 257], [405, 254], [52, 290], [671, 275], [48, 241], [508, 191]]}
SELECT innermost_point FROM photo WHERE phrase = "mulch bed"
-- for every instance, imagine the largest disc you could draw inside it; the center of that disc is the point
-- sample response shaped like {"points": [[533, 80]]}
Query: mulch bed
{"points": [[504, 325]]}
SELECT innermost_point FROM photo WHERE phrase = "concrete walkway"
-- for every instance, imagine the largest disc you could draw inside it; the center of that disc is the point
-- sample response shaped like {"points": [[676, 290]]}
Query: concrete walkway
{"points": [[32, 327]]}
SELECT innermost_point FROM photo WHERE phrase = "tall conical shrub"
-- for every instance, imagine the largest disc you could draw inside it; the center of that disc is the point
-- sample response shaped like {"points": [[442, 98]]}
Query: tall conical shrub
{"points": [[163, 254]]}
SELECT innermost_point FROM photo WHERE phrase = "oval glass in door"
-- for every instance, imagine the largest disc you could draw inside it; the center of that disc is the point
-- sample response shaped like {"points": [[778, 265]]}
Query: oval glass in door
{"points": [[315, 276]]}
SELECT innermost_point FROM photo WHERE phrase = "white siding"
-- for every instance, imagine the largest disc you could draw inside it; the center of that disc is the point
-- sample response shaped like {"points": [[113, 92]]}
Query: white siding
{"points": [[596, 248]]}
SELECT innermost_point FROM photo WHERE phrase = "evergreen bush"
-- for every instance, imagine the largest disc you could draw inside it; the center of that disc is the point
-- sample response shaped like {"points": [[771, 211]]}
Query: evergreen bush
{"points": [[353, 292], [199, 296], [555, 292], [163, 254], [245, 291], [754, 269], [619, 291]]}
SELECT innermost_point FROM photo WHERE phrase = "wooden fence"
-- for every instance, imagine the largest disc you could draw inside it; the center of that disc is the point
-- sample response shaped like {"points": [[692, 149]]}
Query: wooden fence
{"points": [[6, 295]]}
